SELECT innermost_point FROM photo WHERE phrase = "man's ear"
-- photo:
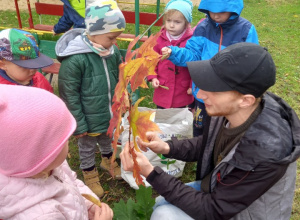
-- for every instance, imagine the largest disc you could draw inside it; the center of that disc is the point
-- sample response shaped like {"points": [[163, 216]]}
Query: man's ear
{"points": [[247, 100]]}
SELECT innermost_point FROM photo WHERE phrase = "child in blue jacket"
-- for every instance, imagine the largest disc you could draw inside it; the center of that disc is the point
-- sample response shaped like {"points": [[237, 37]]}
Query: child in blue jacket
{"points": [[222, 27], [74, 13]]}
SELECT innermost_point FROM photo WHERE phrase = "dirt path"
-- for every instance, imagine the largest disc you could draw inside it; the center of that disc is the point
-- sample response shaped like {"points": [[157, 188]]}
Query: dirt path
{"points": [[10, 4]]}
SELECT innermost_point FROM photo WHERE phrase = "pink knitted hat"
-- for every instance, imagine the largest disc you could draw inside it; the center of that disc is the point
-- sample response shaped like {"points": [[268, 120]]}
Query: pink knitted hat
{"points": [[34, 126]]}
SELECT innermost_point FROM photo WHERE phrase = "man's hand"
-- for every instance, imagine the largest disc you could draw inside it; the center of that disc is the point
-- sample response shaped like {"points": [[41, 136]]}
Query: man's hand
{"points": [[127, 161], [155, 83], [156, 144], [166, 52]]}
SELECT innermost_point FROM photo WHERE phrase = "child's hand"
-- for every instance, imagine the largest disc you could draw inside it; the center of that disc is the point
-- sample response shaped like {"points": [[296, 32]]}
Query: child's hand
{"points": [[166, 52], [155, 83], [189, 91], [103, 213], [53, 32]]}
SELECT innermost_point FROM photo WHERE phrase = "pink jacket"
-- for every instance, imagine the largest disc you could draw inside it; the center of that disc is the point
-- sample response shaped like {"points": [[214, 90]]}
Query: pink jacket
{"points": [[55, 198], [39, 81], [176, 78]]}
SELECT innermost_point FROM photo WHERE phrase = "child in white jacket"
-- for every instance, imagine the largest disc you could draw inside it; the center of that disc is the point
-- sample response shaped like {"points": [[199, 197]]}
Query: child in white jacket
{"points": [[36, 182]]}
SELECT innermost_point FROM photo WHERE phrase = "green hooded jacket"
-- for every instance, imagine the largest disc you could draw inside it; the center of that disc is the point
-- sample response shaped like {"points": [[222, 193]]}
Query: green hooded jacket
{"points": [[86, 82]]}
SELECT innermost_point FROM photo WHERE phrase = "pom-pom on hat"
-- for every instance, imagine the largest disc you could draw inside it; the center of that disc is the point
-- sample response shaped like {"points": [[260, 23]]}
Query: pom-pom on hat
{"points": [[103, 16], [184, 6], [20, 48], [34, 127]]}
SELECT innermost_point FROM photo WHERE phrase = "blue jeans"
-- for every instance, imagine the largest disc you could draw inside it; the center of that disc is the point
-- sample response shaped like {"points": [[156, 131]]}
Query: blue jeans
{"points": [[164, 210]]}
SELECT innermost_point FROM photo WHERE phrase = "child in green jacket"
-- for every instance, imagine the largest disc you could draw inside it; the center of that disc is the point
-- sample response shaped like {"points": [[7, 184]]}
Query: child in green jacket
{"points": [[87, 79]]}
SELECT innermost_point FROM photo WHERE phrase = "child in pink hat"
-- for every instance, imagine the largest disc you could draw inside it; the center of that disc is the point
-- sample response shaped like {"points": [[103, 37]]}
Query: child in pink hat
{"points": [[36, 182]]}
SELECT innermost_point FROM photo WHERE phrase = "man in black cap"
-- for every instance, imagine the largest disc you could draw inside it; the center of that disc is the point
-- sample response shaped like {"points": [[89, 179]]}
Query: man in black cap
{"points": [[247, 155]]}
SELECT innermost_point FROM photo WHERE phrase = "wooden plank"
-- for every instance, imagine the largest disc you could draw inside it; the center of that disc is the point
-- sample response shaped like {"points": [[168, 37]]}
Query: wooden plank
{"points": [[43, 27], [54, 9], [145, 18], [49, 9]]}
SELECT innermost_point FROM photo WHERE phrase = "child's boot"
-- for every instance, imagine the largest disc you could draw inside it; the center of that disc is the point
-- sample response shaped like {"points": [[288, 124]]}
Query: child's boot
{"points": [[91, 179], [105, 165]]}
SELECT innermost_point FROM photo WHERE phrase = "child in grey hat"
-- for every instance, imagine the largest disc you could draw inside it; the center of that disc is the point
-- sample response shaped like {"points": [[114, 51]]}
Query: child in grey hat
{"points": [[87, 78]]}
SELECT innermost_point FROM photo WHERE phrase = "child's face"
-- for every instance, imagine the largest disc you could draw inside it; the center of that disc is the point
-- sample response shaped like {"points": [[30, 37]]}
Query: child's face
{"points": [[106, 40], [175, 24], [55, 163], [220, 17], [19, 74], [60, 158]]}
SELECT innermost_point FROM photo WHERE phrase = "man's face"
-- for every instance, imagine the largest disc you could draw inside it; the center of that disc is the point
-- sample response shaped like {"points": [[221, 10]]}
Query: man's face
{"points": [[220, 103]]}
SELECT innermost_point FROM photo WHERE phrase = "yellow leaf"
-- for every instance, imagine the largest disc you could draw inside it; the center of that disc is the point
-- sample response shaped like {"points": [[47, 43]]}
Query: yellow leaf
{"points": [[140, 123]]}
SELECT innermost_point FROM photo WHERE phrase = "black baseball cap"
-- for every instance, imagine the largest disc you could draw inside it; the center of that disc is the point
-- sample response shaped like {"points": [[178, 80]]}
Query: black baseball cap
{"points": [[244, 67]]}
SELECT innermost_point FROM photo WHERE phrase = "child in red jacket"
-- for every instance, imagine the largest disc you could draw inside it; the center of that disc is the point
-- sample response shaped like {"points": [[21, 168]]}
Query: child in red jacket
{"points": [[20, 58], [172, 83]]}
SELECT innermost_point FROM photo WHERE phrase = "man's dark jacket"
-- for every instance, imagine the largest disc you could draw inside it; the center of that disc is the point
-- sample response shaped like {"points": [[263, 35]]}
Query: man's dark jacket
{"points": [[256, 180]]}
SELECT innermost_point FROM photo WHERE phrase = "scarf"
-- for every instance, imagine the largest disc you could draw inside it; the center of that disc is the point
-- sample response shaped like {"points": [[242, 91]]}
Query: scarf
{"points": [[171, 37], [97, 48]]}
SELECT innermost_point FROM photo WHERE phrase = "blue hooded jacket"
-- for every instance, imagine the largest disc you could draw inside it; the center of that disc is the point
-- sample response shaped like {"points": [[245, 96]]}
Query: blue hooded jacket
{"points": [[69, 19], [209, 37]]}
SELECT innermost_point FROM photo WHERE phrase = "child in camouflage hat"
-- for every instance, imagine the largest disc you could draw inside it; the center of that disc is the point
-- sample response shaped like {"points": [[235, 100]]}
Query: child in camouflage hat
{"points": [[87, 78], [20, 58]]}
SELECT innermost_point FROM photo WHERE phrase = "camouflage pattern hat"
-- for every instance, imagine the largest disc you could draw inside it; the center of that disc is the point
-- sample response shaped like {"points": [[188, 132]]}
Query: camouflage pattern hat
{"points": [[103, 16], [20, 48]]}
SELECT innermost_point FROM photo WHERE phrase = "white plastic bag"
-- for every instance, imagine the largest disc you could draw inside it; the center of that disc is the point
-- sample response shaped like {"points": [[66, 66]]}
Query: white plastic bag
{"points": [[175, 122]]}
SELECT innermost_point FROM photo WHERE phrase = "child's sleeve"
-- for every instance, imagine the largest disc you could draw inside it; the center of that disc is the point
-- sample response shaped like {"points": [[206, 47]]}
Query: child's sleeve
{"points": [[191, 52], [252, 36], [69, 85], [64, 23]]}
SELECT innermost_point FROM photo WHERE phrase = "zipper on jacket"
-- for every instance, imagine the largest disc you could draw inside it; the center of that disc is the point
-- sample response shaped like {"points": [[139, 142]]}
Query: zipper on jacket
{"points": [[221, 38], [57, 178], [108, 86], [219, 179]]}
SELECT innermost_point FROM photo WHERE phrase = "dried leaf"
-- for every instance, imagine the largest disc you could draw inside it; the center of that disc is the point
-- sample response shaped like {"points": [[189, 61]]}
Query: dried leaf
{"points": [[92, 199], [137, 66], [164, 87]]}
